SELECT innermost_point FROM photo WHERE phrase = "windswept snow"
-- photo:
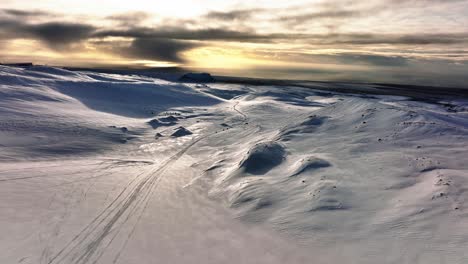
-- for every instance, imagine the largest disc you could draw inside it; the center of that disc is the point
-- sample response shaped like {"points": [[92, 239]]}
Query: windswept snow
{"points": [[106, 168]]}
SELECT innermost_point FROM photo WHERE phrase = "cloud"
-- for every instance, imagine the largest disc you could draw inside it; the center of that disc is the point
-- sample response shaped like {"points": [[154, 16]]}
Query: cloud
{"points": [[130, 19], [158, 49], [168, 39], [306, 17], [180, 33], [375, 60], [233, 14], [58, 35], [221, 34], [424, 1], [395, 39], [381, 60], [336, 10], [23, 14]]}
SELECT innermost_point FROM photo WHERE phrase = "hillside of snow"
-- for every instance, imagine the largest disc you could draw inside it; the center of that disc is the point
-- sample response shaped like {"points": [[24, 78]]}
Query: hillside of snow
{"points": [[113, 168]]}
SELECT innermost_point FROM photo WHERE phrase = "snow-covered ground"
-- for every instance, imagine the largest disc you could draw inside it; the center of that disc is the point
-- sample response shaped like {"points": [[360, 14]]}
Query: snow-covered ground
{"points": [[103, 168]]}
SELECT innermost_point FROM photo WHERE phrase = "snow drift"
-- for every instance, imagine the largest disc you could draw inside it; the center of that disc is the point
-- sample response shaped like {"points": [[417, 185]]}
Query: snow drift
{"points": [[262, 157], [107, 168], [52, 111]]}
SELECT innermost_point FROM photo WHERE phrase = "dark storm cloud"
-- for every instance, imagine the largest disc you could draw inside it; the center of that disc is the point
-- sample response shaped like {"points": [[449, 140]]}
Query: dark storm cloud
{"points": [[58, 35], [215, 34], [61, 34], [54, 34], [158, 49]]}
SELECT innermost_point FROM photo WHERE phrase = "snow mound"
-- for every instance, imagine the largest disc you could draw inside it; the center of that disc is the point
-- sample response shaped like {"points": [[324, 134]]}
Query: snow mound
{"points": [[169, 119], [181, 132], [158, 135], [197, 77], [309, 164], [263, 157], [226, 93], [155, 123]]}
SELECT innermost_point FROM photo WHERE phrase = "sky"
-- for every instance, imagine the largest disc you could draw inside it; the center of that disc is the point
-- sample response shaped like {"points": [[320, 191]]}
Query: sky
{"points": [[404, 41]]}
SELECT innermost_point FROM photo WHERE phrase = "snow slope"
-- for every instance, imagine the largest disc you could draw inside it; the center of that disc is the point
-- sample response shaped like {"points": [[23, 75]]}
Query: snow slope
{"points": [[103, 168]]}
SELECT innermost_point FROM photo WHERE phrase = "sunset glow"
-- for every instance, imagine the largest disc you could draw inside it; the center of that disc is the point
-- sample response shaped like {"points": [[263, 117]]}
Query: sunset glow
{"points": [[409, 35]]}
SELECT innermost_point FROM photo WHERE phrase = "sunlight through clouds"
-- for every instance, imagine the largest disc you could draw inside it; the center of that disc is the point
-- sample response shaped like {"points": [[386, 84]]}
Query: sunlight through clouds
{"points": [[238, 34]]}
